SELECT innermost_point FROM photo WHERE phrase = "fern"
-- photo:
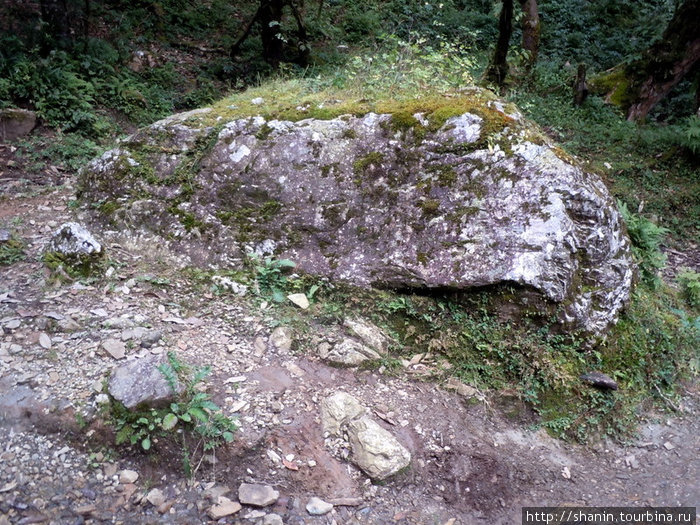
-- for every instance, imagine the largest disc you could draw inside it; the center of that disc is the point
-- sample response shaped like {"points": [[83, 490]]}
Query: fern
{"points": [[646, 244]]}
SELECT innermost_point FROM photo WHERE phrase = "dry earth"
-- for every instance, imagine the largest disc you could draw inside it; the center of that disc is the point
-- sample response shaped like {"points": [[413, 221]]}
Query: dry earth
{"points": [[474, 461]]}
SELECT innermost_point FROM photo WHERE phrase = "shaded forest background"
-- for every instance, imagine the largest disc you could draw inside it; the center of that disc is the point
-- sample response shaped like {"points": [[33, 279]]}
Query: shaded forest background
{"points": [[94, 69]]}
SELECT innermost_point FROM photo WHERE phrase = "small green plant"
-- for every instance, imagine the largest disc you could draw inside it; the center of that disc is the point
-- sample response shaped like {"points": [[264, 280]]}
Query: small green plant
{"points": [[270, 277], [646, 241], [11, 251], [689, 281], [199, 421]]}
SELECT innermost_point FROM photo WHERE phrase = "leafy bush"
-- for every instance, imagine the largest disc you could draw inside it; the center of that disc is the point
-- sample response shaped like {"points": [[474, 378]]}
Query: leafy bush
{"points": [[269, 276]]}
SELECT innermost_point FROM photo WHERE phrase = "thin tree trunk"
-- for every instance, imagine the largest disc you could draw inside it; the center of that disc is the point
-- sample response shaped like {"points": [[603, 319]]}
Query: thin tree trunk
{"points": [[271, 20], [498, 68], [531, 29], [667, 61]]}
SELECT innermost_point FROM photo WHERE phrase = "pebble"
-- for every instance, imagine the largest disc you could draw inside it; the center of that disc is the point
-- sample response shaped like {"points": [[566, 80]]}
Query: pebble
{"points": [[45, 341], [257, 495], [115, 348], [155, 497], [127, 476], [318, 507], [224, 507]]}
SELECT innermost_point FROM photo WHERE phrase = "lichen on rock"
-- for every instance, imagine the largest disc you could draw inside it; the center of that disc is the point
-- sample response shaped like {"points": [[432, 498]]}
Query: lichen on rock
{"points": [[444, 198]]}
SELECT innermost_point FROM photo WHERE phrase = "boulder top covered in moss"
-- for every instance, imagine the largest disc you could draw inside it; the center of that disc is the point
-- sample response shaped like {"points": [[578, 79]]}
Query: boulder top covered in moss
{"points": [[435, 194]]}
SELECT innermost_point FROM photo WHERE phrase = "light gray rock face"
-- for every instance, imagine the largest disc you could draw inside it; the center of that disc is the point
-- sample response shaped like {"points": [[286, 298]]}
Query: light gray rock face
{"points": [[16, 123], [465, 202], [75, 246], [140, 383]]}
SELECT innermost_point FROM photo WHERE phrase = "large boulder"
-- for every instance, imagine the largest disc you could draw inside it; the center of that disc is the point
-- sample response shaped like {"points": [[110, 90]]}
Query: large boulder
{"points": [[457, 197]]}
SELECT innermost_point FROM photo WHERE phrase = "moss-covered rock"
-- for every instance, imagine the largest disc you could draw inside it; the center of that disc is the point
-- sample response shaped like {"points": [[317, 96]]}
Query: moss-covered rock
{"points": [[434, 194]]}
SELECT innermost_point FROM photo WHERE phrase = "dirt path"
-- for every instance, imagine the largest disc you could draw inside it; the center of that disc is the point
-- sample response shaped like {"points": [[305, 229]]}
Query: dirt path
{"points": [[471, 462]]}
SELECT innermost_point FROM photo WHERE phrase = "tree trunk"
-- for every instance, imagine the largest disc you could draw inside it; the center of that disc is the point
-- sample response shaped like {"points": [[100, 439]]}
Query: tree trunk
{"points": [[531, 29], [54, 14], [271, 20], [665, 63], [498, 68], [580, 86]]}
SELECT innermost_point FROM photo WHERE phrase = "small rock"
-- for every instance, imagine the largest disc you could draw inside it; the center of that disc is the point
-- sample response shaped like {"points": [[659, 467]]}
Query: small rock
{"points": [[13, 324], [631, 461], [257, 495], [258, 101], [375, 450], [369, 333], [281, 338], [5, 235], [150, 338], [127, 476], [566, 473], [669, 446], [115, 348], [45, 341], [139, 382], [155, 497], [599, 380], [318, 507], [224, 507], [348, 353], [337, 410], [273, 519], [299, 299], [255, 514], [76, 246]]}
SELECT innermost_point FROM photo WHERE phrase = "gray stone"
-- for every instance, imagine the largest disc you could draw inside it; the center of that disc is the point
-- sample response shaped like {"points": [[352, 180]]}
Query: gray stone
{"points": [[281, 338], [73, 245], [370, 334], [257, 495], [600, 380], [480, 201], [339, 409], [16, 123], [273, 519], [114, 348], [150, 338], [374, 450], [318, 507], [155, 497], [224, 507], [128, 476], [140, 383], [5, 235], [299, 299], [347, 353]]}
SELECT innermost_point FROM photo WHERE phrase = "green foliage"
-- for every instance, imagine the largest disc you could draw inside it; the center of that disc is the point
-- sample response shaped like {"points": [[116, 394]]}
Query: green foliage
{"points": [[11, 251], [646, 244], [270, 277], [689, 280], [199, 421], [66, 151]]}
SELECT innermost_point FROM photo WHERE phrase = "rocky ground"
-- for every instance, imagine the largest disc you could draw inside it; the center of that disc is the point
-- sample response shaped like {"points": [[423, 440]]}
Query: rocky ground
{"points": [[474, 458]]}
